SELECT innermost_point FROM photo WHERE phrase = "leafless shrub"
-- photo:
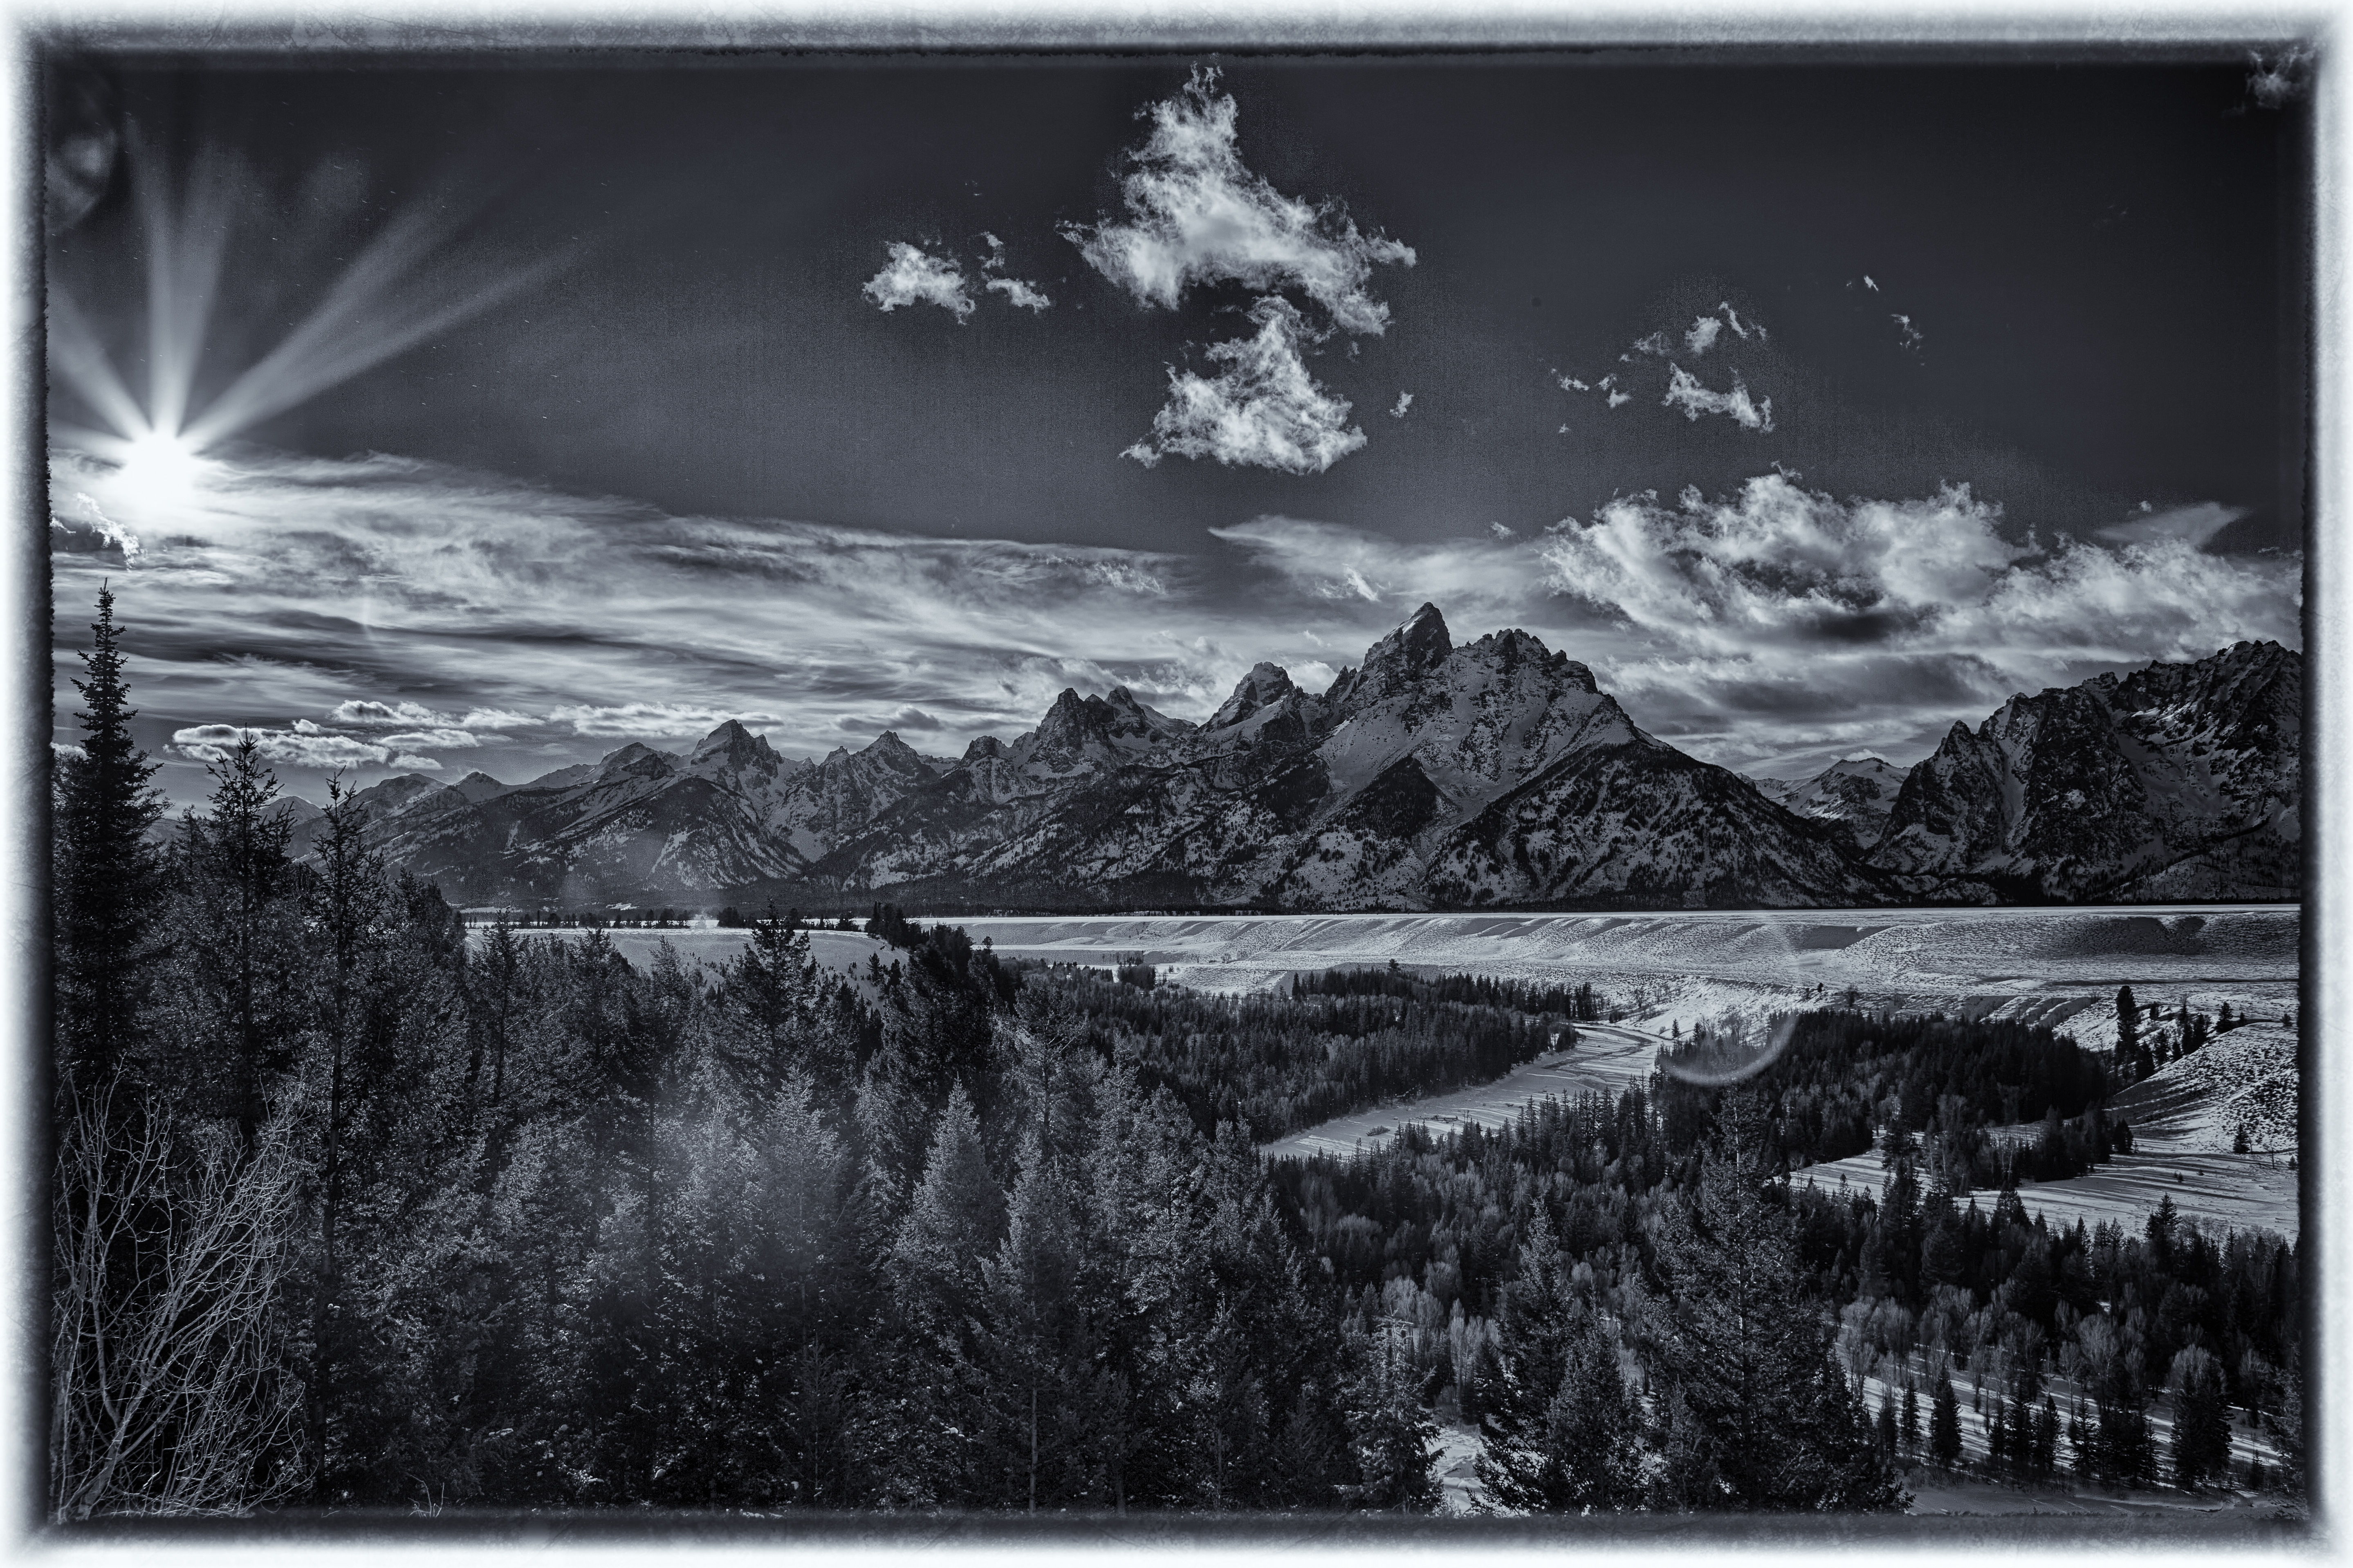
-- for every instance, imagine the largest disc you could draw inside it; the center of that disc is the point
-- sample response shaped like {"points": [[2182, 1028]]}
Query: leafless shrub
{"points": [[171, 1255]]}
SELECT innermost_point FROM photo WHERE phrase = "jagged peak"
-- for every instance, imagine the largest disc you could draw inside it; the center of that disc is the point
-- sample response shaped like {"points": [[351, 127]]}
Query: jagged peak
{"points": [[637, 754], [984, 746], [888, 745], [738, 745], [479, 785], [1266, 684]]}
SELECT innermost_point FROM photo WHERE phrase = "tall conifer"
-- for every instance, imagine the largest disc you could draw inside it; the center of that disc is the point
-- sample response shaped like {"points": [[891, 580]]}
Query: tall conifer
{"points": [[108, 877]]}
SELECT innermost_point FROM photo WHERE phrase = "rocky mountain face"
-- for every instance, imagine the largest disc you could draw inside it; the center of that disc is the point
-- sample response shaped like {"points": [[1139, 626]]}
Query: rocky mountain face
{"points": [[641, 825], [2180, 781], [1853, 794], [1495, 773]]}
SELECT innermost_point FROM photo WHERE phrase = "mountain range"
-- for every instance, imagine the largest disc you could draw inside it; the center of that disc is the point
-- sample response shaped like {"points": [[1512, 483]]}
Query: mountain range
{"points": [[1494, 773]]}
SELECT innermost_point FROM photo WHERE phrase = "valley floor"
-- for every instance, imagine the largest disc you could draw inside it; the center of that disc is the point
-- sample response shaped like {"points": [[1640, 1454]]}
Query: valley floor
{"points": [[1669, 971]]}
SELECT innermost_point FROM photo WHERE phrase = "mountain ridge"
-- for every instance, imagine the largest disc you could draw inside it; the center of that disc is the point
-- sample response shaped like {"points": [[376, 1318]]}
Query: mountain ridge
{"points": [[1489, 774]]}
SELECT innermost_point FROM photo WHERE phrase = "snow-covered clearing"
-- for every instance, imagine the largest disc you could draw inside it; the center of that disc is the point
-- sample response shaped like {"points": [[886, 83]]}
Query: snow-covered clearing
{"points": [[2184, 1119], [1604, 1057]]}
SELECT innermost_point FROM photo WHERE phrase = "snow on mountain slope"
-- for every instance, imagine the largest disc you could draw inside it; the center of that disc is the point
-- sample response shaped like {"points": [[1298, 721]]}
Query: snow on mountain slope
{"points": [[1495, 773], [1855, 794], [2177, 779]]}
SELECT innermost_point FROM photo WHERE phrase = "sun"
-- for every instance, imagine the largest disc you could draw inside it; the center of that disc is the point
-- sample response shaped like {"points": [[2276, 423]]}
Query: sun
{"points": [[159, 467]]}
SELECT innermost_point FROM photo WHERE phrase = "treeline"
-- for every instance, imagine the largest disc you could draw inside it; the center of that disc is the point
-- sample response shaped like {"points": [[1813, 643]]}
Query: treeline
{"points": [[1575, 1003], [2074, 1331], [1274, 1065], [2143, 1044], [1842, 1080]]}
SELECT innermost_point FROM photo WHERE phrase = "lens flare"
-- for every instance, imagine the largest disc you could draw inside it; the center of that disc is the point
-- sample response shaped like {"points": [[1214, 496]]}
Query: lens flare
{"points": [[409, 281]]}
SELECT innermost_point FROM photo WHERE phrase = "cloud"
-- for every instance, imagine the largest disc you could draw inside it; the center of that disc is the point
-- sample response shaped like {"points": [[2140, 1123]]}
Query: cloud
{"points": [[1029, 297], [1911, 339], [214, 743], [650, 720], [913, 276], [561, 626], [1869, 284], [1500, 532], [1263, 410], [395, 714], [1404, 402], [909, 717], [1679, 389], [1899, 616], [1490, 580], [1685, 392], [2193, 525], [445, 740], [1197, 216], [494, 718]]}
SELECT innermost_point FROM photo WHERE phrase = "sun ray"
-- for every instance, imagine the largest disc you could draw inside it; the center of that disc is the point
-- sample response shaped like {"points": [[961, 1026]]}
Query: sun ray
{"points": [[411, 279]]}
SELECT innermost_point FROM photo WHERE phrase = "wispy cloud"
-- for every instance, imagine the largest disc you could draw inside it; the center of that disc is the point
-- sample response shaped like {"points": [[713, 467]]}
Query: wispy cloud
{"points": [[650, 720], [1016, 292], [1404, 402], [347, 609], [1263, 409], [1722, 331], [1196, 214], [213, 743], [1027, 295], [364, 613], [2192, 525], [913, 277]]}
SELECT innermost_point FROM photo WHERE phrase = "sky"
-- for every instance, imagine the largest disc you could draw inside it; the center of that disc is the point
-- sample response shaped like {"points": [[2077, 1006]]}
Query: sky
{"points": [[495, 417]]}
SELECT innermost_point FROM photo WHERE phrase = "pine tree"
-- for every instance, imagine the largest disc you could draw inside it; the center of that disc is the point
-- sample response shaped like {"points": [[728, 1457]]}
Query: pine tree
{"points": [[2129, 1063], [1778, 1423], [772, 985], [243, 970], [955, 1218], [2046, 1438], [108, 877], [1945, 1424], [2201, 1420], [1911, 1414], [1555, 1424], [1393, 1433]]}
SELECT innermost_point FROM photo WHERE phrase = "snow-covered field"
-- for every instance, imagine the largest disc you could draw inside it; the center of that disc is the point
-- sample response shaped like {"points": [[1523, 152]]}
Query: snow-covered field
{"points": [[2049, 966], [1604, 1057], [2184, 1119]]}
